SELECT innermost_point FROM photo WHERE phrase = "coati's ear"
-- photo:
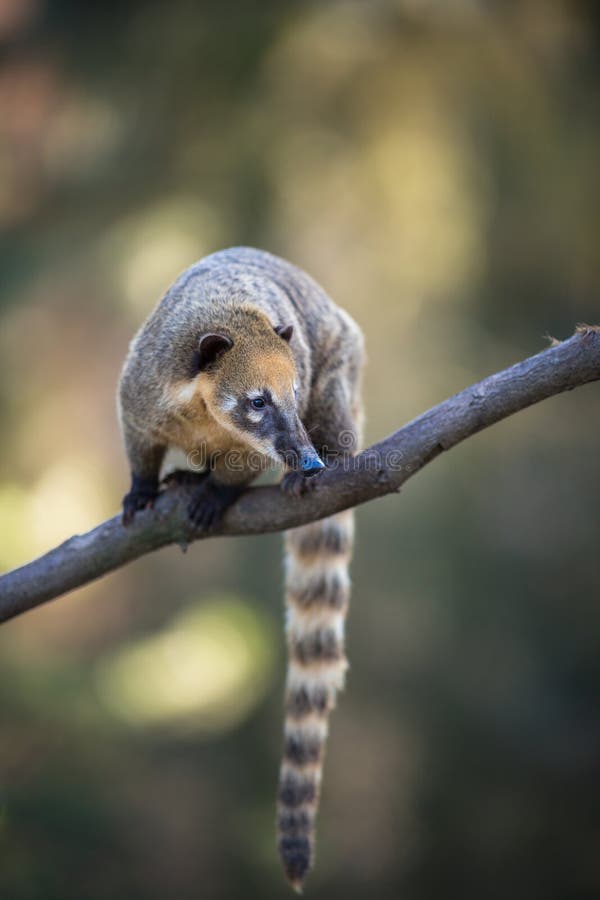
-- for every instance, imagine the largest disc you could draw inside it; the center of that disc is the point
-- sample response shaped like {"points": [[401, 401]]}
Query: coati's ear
{"points": [[210, 347], [285, 332]]}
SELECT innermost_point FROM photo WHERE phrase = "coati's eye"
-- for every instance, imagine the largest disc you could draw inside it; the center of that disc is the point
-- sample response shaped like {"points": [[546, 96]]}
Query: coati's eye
{"points": [[258, 402]]}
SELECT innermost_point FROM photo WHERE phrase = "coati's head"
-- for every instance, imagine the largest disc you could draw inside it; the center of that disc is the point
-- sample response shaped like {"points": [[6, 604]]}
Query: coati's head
{"points": [[247, 379]]}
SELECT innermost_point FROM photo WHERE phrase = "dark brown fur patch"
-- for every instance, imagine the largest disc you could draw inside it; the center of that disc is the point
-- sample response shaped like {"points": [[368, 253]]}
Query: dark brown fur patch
{"points": [[295, 822], [331, 540], [323, 591], [303, 749], [301, 702], [318, 646], [296, 790], [296, 856]]}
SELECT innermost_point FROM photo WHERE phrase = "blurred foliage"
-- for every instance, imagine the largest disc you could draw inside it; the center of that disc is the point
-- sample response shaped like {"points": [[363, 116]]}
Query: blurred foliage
{"points": [[434, 163]]}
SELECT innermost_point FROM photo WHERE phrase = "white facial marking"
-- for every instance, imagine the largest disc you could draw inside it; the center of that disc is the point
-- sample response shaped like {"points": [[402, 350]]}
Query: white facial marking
{"points": [[228, 403]]}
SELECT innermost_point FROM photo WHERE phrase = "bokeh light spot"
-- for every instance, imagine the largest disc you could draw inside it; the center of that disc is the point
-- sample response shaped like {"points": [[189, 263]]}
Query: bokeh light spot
{"points": [[205, 671]]}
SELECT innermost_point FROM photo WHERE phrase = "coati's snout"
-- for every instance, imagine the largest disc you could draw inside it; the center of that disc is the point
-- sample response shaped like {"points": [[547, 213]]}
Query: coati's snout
{"points": [[275, 424], [297, 452], [294, 446], [311, 464]]}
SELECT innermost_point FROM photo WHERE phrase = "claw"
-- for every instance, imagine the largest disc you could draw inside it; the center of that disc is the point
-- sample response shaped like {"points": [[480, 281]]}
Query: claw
{"points": [[136, 500]]}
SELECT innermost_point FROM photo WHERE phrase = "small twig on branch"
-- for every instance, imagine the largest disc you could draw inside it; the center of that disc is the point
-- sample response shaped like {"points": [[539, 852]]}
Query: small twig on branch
{"points": [[381, 469]]}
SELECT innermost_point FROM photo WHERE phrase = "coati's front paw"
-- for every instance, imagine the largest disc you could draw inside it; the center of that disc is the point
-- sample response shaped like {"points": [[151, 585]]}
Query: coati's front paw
{"points": [[294, 484], [209, 503], [143, 493]]}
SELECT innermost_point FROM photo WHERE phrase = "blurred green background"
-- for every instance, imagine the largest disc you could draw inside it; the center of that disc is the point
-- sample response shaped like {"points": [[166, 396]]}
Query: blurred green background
{"points": [[435, 165]]}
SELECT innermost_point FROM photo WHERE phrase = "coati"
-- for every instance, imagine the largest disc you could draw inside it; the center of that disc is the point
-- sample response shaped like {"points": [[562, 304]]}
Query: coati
{"points": [[247, 359]]}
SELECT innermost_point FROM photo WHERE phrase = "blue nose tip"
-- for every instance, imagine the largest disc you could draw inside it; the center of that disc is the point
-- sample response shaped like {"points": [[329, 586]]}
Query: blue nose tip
{"points": [[310, 464]]}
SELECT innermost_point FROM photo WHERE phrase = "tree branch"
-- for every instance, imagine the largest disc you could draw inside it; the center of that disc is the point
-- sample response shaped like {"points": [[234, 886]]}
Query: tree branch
{"points": [[379, 470]]}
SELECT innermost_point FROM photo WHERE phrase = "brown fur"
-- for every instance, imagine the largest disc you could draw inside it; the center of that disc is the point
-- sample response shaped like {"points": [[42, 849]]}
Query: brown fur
{"points": [[313, 383]]}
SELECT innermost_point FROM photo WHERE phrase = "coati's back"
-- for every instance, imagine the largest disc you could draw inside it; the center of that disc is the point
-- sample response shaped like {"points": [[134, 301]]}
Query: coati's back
{"points": [[235, 310]]}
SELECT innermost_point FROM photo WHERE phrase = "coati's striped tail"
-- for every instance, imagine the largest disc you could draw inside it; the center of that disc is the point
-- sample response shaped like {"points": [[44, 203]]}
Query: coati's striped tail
{"points": [[317, 595]]}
